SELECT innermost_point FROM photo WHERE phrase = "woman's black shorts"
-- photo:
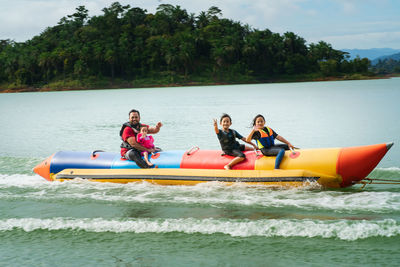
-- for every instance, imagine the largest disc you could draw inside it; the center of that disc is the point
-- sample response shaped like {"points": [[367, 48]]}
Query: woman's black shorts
{"points": [[274, 150]]}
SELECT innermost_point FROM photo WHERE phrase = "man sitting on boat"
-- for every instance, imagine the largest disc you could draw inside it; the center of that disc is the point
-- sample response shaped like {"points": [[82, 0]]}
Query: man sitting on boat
{"points": [[130, 148]]}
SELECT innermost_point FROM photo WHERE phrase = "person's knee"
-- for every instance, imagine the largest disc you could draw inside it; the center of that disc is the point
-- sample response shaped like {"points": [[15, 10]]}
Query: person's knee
{"points": [[268, 152], [239, 154], [240, 159], [129, 155], [284, 146], [136, 157]]}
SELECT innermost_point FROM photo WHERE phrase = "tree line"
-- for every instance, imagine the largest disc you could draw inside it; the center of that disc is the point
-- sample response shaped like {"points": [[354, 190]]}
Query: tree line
{"points": [[387, 66], [130, 44]]}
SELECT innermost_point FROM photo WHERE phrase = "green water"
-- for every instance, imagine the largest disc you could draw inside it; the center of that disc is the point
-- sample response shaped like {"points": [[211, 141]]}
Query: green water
{"points": [[80, 223]]}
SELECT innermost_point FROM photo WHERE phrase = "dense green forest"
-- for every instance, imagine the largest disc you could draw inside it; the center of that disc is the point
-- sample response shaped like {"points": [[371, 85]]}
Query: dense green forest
{"points": [[387, 66], [130, 47]]}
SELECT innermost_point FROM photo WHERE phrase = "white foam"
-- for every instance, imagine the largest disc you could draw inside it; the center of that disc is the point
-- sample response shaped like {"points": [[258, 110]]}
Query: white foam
{"points": [[395, 169], [208, 193], [340, 229], [20, 180]]}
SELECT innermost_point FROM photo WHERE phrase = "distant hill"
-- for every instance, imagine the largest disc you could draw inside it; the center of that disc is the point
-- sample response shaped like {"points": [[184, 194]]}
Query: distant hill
{"points": [[394, 56], [372, 53]]}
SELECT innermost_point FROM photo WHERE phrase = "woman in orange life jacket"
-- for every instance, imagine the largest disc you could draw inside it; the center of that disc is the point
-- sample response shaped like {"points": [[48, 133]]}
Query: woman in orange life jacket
{"points": [[229, 145], [265, 137]]}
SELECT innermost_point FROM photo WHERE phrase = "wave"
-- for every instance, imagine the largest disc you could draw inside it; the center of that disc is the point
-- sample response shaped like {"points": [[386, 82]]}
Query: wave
{"points": [[394, 169], [339, 229], [214, 193], [21, 180]]}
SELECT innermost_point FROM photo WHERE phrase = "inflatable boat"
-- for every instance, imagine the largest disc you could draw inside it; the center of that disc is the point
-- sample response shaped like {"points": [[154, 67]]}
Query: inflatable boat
{"points": [[329, 167]]}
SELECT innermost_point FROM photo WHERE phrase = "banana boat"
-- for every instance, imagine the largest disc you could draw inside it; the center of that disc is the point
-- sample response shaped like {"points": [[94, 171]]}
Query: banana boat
{"points": [[329, 167]]}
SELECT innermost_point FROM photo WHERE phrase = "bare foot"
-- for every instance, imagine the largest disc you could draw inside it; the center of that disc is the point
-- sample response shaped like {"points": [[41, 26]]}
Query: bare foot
{"points": [[227, 167], [149, 163]]}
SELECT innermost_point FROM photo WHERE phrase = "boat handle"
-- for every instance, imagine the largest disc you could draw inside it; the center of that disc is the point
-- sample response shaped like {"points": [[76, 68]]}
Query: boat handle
{"points": [[95, 151], [292, 149], [192, 150]]}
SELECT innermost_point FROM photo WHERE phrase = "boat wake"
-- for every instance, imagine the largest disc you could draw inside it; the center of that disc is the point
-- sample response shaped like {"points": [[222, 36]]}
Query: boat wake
{"points": [[34, 188], [338, 229]]}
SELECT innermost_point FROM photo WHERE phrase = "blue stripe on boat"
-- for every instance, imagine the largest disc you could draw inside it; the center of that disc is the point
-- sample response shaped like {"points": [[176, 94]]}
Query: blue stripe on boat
{"points": [[168, 159]]}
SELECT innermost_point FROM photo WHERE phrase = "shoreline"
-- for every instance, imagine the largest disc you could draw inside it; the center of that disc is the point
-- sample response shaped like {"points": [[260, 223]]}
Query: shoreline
{"points": [[130, 85]]}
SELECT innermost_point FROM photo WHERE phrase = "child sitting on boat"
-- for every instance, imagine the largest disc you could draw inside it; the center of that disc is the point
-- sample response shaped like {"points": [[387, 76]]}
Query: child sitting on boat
{"points": [[265, 138], [146, 141], [229, 145]]}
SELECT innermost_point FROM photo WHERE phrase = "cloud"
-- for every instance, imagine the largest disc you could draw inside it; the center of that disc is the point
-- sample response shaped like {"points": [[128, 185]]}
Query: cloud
{"points": [[365, 40], [343, 23], [22, 20]]}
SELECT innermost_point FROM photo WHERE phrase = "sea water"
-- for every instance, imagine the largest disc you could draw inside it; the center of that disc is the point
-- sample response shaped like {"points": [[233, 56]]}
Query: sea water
{"points": [[81, 223]]}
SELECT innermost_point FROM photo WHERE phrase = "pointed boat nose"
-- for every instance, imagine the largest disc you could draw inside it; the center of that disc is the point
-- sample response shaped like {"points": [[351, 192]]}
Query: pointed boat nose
{"points": [[43, 168], [389, 145], [355, 163]]}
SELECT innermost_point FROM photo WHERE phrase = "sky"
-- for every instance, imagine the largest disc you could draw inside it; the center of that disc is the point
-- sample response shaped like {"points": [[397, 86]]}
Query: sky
{"points": [[345, 24]]}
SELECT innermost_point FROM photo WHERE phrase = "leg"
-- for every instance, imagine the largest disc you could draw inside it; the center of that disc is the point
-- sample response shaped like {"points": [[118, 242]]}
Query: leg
{"points": [[277, 151], [280, 155], [135, 156], [239, 157], [146, 158], [279, 158], [233, 163]]}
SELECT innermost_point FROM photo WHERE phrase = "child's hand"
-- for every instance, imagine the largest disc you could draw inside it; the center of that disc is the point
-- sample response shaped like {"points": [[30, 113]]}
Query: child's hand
{"points": [[216, 126], [290, 146]]}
